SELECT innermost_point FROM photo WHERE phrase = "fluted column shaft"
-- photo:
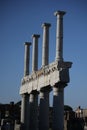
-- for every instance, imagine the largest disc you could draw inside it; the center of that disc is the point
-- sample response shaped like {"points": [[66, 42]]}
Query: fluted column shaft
{"points": [[44, 109], [45, 47], [35, 52], [33, 101], [59, 35], [58, 107], [27, 58]]}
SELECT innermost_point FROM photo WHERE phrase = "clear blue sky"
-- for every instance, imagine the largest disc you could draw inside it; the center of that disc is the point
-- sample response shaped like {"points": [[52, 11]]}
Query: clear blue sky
{"points": [[19, 19]]}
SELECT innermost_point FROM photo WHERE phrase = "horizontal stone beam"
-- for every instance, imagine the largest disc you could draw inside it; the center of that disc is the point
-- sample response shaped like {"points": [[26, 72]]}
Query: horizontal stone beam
{"points": [[49, 76]]}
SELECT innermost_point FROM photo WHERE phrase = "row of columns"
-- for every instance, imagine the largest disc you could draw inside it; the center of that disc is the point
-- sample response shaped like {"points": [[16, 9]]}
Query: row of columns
{"points": [[45, 46], [45, 50], [29, 107], [34, 117]]}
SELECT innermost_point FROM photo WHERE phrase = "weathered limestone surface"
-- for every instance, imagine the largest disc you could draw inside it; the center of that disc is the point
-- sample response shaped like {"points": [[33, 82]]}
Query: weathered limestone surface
{"points": [[44, 109], [59, 35], [27, 58], [35, 52], [49, 75], [45, 48], [53, 76]]}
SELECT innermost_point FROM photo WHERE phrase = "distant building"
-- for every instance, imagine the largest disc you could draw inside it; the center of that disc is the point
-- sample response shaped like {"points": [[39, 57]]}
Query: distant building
{"points": [[9, 114], [81, 113], [73, 120]]}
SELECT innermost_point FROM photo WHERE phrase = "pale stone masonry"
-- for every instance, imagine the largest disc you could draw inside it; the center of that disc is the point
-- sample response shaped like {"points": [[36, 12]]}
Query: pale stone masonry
{"points": [[27, 58], [45, 48], [35, 52], [59, 35], [50, 77]]}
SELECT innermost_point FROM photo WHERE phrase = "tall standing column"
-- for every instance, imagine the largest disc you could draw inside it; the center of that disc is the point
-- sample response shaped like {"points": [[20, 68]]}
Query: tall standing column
{"points": [[58, 107], [59, 36], [35, 52], [27, 58], [44, 109], [25, 97], [45, 48], [33, 101], [25, 112]]}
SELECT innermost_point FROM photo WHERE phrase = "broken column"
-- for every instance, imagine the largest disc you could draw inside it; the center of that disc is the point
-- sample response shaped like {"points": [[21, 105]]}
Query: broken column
{"points": [[45, 46], [59, 35], [35, 52]]}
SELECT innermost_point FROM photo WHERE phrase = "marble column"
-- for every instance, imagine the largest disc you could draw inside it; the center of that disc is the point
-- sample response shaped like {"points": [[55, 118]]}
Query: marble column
{"points": [[58, 107], [33, 102], [45, 47], [44, 109], [59, 35], [26, 58], [35, 52], [25, 112]]}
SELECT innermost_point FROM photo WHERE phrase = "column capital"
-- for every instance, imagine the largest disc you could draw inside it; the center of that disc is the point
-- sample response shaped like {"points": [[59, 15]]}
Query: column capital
{"points": [[46, 25], [60, 85], [24, 95], [27, 43], [46, 89], [59, 13], [35, 92], [35, 35]]}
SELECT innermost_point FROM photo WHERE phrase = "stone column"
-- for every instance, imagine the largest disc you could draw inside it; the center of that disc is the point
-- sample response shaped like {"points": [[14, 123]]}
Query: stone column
{"points": [[25, 112], [44, 109], [58, 107], [45, 48], [33, 101], [59, 35], [25, 97], [35, 52], [26, 58]]}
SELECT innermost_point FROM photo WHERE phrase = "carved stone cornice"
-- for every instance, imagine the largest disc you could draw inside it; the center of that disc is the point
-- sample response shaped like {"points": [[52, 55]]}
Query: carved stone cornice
{"points": [[49, 75]]}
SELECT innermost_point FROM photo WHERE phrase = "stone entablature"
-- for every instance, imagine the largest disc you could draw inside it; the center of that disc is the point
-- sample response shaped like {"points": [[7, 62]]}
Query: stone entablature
{"points": [[49, 75]]}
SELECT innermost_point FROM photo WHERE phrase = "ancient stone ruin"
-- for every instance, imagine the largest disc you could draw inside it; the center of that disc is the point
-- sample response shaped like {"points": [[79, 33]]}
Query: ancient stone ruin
{"points": [[39, 83]]}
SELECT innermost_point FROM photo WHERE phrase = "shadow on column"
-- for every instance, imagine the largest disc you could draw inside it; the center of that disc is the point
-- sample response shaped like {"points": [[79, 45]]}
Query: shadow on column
{"points": [[34, 112], [58, 109], [44, 109]]}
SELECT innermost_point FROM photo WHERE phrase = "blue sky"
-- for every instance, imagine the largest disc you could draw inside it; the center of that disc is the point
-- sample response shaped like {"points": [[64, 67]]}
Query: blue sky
{"points": [[19, 19]]}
